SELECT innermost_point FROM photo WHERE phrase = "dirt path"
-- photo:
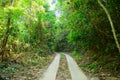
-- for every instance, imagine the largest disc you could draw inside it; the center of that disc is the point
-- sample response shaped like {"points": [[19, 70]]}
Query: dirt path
{"points": [[63, 72], [68, 70]]}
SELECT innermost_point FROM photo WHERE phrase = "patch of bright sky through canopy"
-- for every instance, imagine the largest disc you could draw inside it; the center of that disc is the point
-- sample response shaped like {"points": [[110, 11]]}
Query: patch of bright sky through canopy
{"points": [[52, 7], [52, 4]]}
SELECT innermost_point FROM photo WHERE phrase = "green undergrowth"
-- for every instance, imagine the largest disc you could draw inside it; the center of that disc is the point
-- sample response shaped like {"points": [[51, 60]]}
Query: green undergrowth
{"points": [[24, 61], [76, 56], [101, 66], [7, 69]]}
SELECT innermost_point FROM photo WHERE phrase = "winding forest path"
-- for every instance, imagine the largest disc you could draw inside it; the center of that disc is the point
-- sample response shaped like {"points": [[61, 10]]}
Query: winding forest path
{"points": [[75, 71]]}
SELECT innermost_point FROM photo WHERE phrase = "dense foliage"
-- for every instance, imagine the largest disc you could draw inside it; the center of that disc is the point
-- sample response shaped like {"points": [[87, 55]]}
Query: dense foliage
{"points": [[24, 26], [74, 25], [89, 28]]}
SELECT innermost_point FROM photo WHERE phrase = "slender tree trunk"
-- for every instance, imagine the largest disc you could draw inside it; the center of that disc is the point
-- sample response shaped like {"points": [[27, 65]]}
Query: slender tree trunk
{"points": [[111, 23], [6, 36]]}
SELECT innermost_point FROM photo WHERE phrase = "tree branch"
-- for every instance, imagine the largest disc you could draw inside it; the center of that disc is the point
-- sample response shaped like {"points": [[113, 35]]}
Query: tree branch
{"points": [[111, 23]]}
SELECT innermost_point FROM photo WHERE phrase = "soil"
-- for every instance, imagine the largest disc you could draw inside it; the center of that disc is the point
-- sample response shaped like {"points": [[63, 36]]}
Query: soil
{"points": [[63, 72]]}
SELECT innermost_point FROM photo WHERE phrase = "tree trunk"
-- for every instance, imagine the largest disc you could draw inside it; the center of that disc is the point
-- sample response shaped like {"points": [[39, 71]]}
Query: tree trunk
{"points": [[111, 23], [6, 36]]}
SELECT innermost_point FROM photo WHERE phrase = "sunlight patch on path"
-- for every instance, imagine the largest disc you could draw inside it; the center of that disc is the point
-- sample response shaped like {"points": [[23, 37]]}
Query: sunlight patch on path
{"points": [[51, 72], [76, 72]]}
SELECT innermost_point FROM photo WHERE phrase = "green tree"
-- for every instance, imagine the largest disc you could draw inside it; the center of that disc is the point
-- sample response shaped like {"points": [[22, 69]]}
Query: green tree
{"points": [[6, 36]]}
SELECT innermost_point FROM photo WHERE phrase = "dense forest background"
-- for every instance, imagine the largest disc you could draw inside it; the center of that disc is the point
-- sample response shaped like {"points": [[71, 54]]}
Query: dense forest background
{"points": [[75, 26]]}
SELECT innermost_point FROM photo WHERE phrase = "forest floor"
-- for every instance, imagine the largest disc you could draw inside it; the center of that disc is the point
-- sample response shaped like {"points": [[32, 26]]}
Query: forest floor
{"points": [[91, 69], [28, 66]]}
